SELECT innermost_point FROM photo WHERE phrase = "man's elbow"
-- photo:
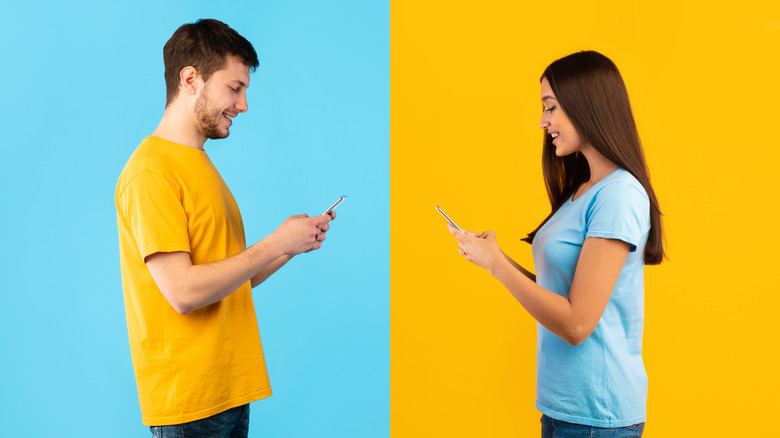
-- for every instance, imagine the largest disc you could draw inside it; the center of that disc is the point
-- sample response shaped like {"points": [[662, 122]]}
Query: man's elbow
{"points": [[173, 275], [177, 300], [182, 309]]}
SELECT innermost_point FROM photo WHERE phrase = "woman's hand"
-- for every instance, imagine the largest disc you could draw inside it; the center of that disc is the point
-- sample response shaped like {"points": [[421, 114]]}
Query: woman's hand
{"points": [[480, 249]]}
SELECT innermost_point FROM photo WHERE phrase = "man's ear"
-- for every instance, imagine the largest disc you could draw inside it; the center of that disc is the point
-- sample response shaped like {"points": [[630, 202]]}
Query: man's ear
{"points": [[189, 80]]}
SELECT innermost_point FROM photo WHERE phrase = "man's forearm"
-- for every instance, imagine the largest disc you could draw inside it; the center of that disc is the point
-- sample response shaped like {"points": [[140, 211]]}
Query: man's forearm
{"points": [[188, 287], [270, 269]]}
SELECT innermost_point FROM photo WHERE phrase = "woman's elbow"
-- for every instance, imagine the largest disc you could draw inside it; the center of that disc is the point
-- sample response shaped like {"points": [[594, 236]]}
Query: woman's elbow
{"points": [[577, 334]]}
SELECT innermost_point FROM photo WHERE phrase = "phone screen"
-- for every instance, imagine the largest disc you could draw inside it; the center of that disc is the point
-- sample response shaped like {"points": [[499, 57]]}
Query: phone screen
{"points": [[448, 218], [338, 201]]}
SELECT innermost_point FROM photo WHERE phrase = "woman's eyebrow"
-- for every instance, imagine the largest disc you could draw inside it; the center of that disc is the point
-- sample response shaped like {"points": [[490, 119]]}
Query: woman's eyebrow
{"points": [[548, 97]]}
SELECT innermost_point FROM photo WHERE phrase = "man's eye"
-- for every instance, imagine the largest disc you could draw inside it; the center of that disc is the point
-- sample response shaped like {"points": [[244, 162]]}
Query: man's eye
{"points": [[235, 90]]}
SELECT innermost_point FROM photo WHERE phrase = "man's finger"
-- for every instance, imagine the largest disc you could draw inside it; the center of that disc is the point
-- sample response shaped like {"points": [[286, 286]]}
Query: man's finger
{"points": [[321, 219]]}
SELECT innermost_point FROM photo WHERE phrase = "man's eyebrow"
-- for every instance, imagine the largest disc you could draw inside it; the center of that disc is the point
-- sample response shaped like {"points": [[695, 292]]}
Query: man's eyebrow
{"points": [[241, 83]]}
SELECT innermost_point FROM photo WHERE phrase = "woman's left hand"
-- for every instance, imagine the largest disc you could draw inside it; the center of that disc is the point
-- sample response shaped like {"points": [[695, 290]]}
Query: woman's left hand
{"points": [[480, 249]]}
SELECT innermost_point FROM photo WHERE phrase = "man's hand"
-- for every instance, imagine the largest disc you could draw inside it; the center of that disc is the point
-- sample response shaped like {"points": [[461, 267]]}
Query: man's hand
{"points": [[300, 233]]}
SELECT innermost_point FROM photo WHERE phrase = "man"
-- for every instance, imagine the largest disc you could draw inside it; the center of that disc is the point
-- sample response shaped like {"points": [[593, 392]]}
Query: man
{"points": [[186, 272]]}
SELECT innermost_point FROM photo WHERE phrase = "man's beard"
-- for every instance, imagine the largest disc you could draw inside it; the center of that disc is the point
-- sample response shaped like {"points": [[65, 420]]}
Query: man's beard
{"points": [[209, 118]]}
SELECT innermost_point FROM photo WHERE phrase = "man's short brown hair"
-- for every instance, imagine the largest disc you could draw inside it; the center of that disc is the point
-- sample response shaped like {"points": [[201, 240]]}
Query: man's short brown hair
{"points": [[204, 45]]}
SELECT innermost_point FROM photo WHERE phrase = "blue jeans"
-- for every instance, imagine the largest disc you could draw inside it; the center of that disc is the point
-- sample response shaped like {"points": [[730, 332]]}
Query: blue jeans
{"points": [[552, 428], [233, 423]]}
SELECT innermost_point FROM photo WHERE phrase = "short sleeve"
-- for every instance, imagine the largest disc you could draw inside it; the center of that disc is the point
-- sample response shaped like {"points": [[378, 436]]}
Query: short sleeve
{"points": [[152, 207], [619, 211]]}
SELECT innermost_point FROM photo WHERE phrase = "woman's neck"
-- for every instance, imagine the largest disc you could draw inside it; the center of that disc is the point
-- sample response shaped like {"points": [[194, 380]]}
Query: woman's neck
{"points": [[599, 165]]}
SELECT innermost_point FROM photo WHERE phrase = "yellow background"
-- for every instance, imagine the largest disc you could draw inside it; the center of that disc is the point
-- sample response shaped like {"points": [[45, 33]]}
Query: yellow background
{"points": [[464, 130]]}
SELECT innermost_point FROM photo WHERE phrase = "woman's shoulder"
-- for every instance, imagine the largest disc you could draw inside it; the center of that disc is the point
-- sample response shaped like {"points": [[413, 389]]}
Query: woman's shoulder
{"points": [[622, 183], [619, 208]]}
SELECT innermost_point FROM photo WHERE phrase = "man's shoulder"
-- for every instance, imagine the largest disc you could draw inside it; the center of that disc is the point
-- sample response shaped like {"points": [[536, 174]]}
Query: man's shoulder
{"points": [[148, 158]]}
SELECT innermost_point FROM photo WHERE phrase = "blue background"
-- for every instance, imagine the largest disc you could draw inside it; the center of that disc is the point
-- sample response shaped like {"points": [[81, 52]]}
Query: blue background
{"points": [[82, 85]]}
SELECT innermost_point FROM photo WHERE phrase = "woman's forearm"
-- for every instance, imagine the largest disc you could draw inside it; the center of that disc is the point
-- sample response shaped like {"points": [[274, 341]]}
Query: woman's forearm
{"points": [[551, 310], [573, 318], [517, 266]]}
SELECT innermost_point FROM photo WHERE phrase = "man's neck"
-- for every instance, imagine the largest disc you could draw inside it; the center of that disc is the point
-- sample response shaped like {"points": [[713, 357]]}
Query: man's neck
{"points": [[178, 126]]}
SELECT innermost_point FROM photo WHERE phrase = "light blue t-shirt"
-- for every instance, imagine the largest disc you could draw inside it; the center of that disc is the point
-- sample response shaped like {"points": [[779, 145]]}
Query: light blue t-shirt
{"points": [[601, 382]]}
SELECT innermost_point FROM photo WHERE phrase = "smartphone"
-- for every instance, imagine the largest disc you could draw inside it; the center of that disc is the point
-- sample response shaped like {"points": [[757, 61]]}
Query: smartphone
{"points": [[448, 219], [338, 201]]}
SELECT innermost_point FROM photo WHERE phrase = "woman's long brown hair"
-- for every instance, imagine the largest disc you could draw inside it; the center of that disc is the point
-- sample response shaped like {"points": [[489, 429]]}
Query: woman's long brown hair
{"points": [[590, 90]]}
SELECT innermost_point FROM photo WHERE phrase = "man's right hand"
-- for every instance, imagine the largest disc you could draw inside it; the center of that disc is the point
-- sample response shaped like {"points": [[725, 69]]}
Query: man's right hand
{"points": [[300, 233]]}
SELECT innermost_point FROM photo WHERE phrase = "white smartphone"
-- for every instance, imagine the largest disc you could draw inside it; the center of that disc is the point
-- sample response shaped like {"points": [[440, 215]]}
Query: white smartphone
{"points": [[338, 201], [448, 218]]}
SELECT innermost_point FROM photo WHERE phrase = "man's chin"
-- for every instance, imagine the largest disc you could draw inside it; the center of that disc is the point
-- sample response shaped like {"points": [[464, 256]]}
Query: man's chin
{"points": [[215, 134]]}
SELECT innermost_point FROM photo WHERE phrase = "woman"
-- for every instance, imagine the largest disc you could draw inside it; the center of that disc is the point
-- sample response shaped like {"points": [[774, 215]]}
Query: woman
{"points": [[605, 225]]}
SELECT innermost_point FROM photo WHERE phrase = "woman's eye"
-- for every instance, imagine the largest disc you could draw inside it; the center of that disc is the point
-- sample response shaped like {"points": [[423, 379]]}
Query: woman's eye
{"points": [[550, 109]]}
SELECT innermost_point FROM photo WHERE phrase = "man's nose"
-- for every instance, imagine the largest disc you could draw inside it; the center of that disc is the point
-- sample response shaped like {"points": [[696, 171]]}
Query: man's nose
{"points": [[242, 106]]}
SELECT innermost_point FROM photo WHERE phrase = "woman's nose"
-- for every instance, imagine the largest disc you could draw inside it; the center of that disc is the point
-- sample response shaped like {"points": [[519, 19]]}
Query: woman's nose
{"points": [[543, 123]]}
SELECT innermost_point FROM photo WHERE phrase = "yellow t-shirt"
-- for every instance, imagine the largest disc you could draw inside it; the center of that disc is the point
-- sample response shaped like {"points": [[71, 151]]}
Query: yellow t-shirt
{"points": [[170, 197]]}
